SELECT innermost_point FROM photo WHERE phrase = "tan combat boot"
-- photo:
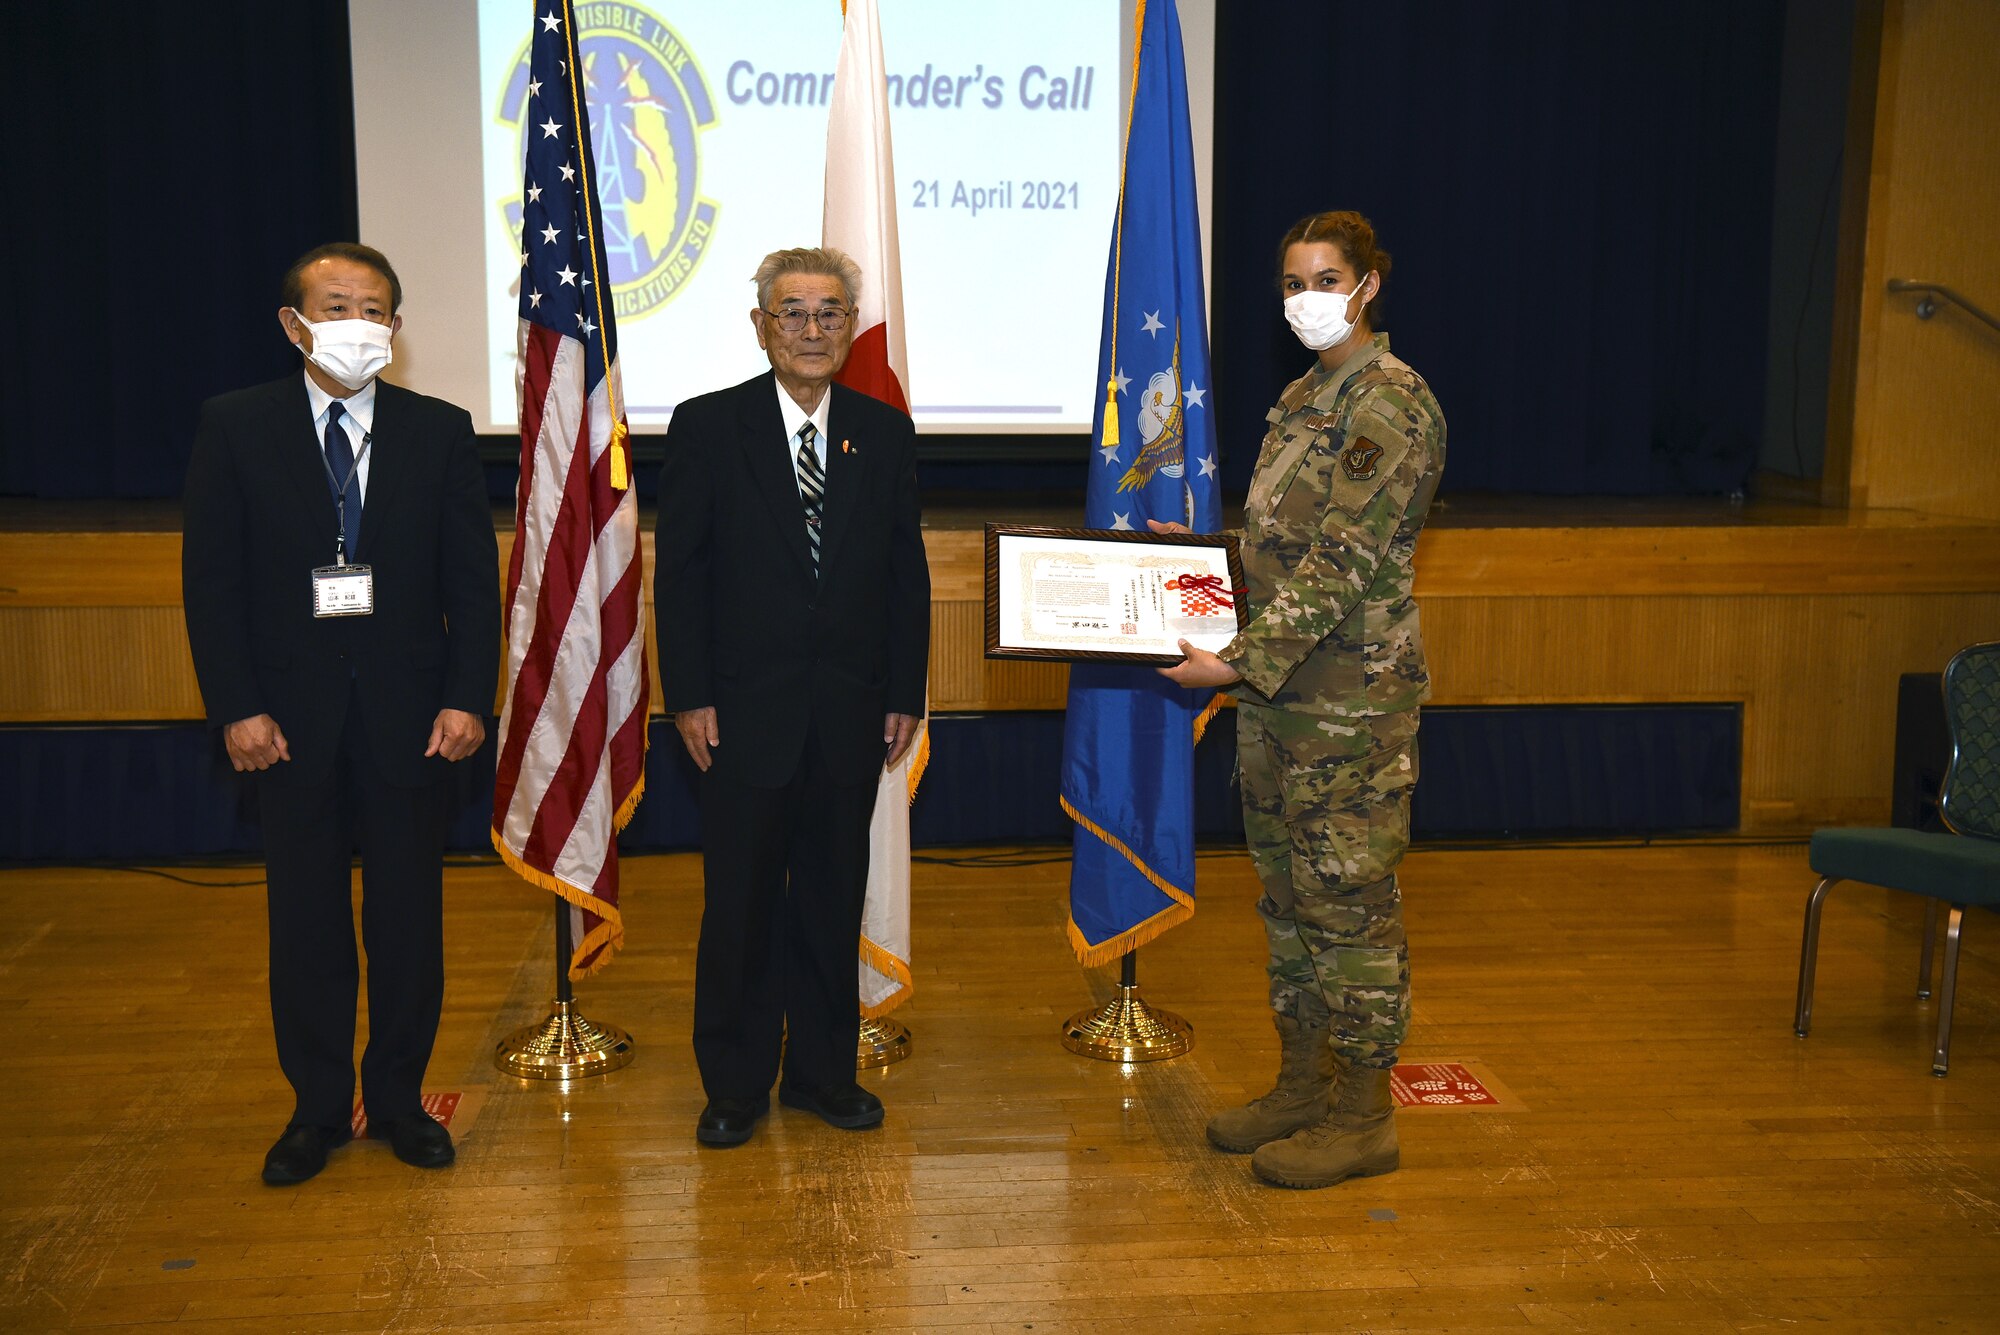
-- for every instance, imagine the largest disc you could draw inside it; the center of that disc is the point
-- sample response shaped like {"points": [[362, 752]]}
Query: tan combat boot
{"points": [[1305, 1084], [1357, 1138]]}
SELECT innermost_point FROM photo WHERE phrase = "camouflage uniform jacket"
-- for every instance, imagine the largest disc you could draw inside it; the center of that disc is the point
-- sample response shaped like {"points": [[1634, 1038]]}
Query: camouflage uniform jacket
{"points": [[1342, 485]]}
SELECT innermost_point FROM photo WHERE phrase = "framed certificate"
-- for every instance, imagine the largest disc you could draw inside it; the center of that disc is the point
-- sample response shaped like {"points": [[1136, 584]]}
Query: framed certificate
{"points": [[1099, 595]]}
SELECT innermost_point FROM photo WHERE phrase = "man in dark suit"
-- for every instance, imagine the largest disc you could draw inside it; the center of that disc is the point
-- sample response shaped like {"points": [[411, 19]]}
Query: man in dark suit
{"points": [[792, 606], [340, 578]]}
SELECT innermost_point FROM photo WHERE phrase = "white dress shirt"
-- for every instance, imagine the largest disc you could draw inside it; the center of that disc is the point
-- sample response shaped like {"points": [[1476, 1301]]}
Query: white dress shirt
{"points": [[357, 419], [796, 417]]}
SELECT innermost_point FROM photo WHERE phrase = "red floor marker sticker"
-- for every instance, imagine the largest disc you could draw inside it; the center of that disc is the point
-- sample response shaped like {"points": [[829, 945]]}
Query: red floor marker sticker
{"points": [[443, 1106], [1444, 1085]]}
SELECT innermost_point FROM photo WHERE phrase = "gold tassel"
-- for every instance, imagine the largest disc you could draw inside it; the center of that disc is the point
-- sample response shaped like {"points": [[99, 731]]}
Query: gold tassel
{"points": [[1111, 413], [620, 473]]}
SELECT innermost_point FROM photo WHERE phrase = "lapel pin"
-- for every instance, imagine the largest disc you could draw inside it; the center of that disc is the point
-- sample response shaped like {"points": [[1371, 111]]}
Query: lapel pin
{"points": [[846, 448]]}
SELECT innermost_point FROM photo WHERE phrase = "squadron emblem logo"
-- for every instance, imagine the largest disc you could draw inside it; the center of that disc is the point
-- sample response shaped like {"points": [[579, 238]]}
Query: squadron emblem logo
{"points": [[648, 106], [1358, 460]]}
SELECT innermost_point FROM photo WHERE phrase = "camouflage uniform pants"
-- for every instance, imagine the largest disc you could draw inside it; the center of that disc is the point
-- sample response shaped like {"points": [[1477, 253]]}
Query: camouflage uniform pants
{"points": [[1326, 808]]}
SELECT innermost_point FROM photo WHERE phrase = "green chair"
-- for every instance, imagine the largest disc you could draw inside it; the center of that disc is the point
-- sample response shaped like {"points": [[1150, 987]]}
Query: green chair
{"points": [[1955, 869]]}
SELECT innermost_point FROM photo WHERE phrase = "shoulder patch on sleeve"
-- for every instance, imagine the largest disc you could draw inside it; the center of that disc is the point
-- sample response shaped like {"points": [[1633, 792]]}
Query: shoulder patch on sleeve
{"points": [[1361, 459], [1363, 467]]}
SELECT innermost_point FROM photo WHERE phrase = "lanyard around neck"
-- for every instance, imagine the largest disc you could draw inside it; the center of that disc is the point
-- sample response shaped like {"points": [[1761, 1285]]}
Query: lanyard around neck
{"points": [[340, 491]]}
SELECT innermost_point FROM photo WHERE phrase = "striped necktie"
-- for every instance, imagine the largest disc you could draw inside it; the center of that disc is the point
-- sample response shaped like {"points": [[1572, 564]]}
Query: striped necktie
{"points": [[812, 488]]}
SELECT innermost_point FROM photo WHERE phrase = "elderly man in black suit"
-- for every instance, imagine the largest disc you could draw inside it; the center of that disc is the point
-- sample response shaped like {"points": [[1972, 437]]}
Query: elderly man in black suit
{"points": [[340, 577], [793, 617]]}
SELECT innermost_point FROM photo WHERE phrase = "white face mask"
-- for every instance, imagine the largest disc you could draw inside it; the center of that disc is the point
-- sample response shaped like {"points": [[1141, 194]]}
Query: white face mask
{"points": [[353, 352], [1323, 319]]}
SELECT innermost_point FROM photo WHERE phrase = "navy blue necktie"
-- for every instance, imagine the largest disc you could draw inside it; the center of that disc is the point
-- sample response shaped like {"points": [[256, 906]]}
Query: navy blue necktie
{"points": [[340, 459]]}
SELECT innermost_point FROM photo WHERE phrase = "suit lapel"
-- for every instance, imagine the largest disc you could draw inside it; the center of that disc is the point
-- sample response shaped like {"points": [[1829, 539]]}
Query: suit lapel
{"points": [[770, 463], [843, 476], [301, 460]]}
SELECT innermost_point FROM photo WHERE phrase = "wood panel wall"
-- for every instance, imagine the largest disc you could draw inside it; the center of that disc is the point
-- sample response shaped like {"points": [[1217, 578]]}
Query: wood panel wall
{"points": [[1925, 396], [1806, 625]]}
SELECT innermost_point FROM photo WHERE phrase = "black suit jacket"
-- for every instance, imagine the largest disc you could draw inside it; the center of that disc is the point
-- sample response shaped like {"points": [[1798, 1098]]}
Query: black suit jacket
{"points": [[259, 516], [741, 622]]}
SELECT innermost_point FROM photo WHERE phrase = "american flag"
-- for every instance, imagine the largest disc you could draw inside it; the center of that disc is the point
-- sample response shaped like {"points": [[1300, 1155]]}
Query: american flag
{"points": [[573, 731]]}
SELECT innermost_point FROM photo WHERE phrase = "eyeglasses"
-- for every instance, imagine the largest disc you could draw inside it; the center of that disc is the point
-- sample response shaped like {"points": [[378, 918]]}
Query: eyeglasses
{"points": [[830, 319]]}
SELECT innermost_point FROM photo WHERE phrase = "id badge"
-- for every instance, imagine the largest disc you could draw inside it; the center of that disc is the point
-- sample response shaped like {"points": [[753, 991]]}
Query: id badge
{"points": [[343, 591]]}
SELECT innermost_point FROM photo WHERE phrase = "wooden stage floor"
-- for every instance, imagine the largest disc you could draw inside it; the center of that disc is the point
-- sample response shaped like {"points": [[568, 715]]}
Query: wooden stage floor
{"points": [[1670, 1157]]}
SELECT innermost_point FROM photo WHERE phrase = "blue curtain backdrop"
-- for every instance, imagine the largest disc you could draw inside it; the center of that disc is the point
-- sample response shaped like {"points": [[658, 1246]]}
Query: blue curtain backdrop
{"points": [[1577, 194], [163, 164], [1577, 198]]}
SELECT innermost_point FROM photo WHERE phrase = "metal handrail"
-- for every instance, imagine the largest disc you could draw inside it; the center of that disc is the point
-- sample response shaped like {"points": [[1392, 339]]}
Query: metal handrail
{"points": [[1927, 305]]}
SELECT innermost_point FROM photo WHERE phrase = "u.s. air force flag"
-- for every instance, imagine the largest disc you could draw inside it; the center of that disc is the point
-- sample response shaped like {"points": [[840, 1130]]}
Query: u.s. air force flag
{"points": [[1128, 741]]}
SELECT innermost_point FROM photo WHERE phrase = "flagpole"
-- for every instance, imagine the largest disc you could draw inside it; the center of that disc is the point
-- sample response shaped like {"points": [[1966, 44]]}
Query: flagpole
{"points": [[1125, 1028], [565, 947], [564, 1045]]}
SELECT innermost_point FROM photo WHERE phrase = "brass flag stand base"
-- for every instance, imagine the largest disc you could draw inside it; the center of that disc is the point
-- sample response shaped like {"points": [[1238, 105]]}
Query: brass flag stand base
{"points": [[565, 1046], [1125, 1028], [883, 1042]]}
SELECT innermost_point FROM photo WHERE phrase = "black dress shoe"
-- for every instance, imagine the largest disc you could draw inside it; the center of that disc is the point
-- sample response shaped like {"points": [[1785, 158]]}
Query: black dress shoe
{"points": [[847, 1106], [301, 1152], [730, 1121], [418, 1141]]}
